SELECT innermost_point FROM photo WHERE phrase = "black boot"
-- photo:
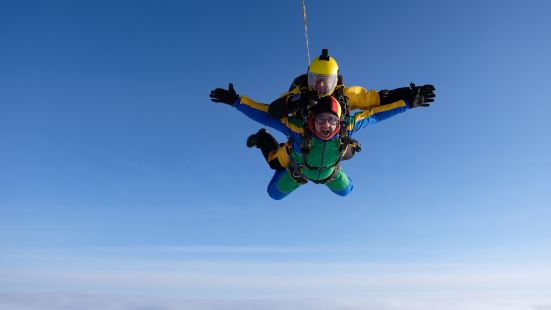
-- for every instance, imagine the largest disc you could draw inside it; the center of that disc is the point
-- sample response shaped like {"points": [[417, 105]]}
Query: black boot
{"points": [[252, 139]]}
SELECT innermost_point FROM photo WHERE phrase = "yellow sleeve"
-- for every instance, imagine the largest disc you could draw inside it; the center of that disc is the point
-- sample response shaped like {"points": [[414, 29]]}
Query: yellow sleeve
{"points": [[361, 98]]}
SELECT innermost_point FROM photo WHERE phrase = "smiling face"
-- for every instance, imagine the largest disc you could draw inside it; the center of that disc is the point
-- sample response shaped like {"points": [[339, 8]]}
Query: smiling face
{"points": [[325, 124]]}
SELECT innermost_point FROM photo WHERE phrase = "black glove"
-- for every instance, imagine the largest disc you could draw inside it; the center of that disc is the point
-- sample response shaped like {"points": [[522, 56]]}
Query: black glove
{"points": [[225, 96], [421, 95], [284, 106], [416, 96], [303, 101]]}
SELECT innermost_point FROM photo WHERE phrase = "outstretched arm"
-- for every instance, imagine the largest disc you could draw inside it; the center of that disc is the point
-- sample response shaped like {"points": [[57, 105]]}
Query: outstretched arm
{"points": [[363, 99], [392, 103], [254, 110], [376, 114]]}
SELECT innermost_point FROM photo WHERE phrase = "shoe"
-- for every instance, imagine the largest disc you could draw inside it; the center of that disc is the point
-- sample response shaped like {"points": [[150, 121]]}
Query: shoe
{"points": [[251, 140]]}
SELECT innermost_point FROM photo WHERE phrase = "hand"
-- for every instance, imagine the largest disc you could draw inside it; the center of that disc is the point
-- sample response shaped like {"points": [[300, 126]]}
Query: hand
{"points": [[304, 101], [309, 99], [421, 95], [225, 96]]}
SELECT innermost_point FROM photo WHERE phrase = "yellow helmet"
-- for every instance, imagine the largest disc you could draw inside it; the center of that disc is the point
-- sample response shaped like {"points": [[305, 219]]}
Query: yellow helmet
{"points": [[323, 74]]}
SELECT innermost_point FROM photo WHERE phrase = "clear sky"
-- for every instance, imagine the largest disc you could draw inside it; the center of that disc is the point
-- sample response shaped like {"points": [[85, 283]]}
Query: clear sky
{"points": [[122, 186]]}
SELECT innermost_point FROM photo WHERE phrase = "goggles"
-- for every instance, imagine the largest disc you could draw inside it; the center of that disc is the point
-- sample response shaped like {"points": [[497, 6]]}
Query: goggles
{"points": [[332, 119]]}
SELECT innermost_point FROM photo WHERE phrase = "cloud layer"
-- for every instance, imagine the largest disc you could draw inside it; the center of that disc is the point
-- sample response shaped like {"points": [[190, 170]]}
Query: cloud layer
{"points": [[117, 279], [83, 301]]}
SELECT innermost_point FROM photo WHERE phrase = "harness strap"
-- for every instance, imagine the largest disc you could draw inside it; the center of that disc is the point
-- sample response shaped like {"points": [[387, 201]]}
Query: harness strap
{"points": [[306, 146], [330, 178], [296, 172]]}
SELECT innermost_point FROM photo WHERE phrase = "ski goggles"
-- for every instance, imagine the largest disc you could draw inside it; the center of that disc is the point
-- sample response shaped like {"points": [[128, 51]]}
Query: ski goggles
{"points": [[332, 120]]}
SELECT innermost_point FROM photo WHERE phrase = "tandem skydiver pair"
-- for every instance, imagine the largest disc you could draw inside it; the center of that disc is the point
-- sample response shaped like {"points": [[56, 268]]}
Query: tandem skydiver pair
{"points": [[319, 115]]}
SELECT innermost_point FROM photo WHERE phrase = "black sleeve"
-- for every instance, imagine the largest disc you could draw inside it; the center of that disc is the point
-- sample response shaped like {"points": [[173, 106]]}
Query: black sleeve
{"points": [[279, 108], [300, 81], [390, 96]]}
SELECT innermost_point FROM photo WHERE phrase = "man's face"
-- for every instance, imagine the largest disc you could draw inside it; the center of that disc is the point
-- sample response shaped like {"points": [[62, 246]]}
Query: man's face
{"points": [[325, 123], [322, 84]]}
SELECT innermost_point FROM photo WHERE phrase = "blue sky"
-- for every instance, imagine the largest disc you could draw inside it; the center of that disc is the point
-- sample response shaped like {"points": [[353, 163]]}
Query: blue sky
{"points": [[123, 185]]}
